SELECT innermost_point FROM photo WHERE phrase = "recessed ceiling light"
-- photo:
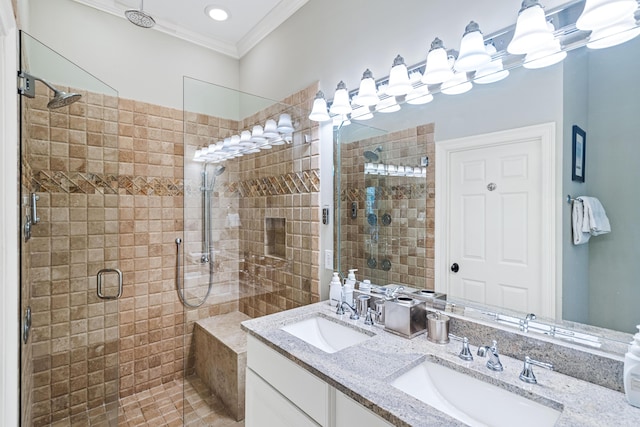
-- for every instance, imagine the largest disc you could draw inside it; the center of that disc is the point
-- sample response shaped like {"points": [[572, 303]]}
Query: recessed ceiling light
{"points": [[216, 13]]}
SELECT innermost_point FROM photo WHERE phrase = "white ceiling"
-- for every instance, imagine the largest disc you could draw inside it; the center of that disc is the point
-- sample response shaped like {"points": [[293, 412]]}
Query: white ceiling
{"points": [[250, 21]]}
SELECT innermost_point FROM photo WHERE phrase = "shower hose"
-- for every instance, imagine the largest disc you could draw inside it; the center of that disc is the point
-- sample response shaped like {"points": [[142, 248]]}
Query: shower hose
{"points": [[181, 287]]}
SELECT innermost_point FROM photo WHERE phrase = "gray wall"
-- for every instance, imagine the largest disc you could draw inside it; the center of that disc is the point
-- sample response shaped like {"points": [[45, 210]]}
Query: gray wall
{"points": [[613, 174], [575, 274]]}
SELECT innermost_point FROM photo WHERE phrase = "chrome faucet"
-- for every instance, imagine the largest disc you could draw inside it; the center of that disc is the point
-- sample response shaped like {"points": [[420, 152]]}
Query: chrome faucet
{"points": [[527, 370], [494, 358], [354, 312], [524, 324], [465, 353], [394, 293]]}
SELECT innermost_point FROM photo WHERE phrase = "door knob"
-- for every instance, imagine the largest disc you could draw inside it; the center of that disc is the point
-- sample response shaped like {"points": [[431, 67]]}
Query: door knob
{"points": [[455, 267]]}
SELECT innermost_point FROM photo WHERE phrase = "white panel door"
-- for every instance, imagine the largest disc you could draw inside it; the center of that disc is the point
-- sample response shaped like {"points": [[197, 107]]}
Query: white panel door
{"points": [[495, 225]]}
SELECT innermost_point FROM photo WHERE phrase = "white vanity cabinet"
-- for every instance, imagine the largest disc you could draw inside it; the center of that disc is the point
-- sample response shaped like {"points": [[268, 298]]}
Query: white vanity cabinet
{"points": [[281, 393]]}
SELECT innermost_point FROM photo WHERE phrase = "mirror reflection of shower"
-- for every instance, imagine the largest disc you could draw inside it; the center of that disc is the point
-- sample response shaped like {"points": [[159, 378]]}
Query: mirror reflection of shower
{"points": [[373, 156]]}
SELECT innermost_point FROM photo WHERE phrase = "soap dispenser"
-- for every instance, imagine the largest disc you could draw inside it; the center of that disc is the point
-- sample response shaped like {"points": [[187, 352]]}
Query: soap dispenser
{"points": [[349, 286], [632, 371], [335, 290]]}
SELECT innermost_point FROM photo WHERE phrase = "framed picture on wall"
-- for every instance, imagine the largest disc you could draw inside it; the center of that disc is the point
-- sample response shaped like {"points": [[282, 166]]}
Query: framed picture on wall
{"points": [[578, 154]]}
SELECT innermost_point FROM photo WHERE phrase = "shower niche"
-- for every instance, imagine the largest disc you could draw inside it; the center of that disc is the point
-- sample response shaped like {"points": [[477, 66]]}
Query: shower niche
{"points": [[275, 237]]}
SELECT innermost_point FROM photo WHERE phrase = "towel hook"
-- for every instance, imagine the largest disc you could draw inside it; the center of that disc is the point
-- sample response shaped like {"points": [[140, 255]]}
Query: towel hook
{"points": [[571, 199]]}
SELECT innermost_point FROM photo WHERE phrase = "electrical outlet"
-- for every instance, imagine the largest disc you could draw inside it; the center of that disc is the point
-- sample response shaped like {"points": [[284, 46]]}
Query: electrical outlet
{"points": [[328, 260]]}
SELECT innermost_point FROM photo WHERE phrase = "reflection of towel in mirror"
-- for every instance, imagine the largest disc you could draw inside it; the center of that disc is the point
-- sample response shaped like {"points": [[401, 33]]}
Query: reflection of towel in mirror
{"points": [[577, 218], [595, 219]]}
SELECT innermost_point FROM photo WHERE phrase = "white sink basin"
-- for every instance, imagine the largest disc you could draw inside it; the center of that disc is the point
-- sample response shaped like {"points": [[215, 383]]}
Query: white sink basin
{"points": [[324, 334], [472, 401]]}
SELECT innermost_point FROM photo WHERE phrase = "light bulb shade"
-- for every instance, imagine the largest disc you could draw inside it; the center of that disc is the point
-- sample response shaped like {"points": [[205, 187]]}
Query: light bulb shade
{"points": [[284, 123], [419, 96], [613, 35], [319, 110], [546, 56], [473, 54], [257, 134], [437, 69], [362, 113], [457, 85], [341, 103], [270, 129], [531, 30], [235, 140], [367, 94], [493, 71], [398, 78], [603, 13], [388, 104]]}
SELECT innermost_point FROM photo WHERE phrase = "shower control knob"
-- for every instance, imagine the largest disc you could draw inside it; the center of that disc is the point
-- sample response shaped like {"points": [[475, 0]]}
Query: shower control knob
{"points": [[455, 267]]}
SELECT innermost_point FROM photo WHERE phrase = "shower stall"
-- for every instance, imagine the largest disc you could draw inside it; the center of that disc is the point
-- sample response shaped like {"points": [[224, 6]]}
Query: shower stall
{"points": [[134, 238]]}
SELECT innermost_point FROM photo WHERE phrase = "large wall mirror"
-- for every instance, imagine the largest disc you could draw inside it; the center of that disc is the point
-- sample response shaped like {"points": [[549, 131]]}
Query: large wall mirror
{"points": [[597, 283]]}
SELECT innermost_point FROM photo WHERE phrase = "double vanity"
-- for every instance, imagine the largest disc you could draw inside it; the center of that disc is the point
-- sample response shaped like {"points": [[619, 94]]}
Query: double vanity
{"points": [[311, 366]]}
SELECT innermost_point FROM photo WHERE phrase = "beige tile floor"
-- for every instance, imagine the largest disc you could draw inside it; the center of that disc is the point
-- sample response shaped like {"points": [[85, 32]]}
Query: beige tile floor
{"points": [[162, 406]]}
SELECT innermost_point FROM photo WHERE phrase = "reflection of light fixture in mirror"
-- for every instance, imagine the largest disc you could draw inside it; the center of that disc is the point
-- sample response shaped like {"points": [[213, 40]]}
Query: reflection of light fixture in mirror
{"points": [[437, 69], [388, 104], [546, 55], [340, 104], [493, 71], [270, 129], [367, 92], [615, 34], [473, 54], [361, 113], [245, 139], [319, 111], [341, 120], [398, 78], [457, 85], [257, 134], [602, 13], [531, 29], [284, 123], [419, 95]]}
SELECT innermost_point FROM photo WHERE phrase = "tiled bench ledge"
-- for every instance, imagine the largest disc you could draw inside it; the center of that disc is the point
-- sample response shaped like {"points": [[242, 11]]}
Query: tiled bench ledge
{"points": [[221, 358]]}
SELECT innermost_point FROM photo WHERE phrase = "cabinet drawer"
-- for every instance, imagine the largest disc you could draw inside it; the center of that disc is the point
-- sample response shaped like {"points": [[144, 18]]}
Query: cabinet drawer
{"points": [[265, 407], [350, 413], [302, 388]]}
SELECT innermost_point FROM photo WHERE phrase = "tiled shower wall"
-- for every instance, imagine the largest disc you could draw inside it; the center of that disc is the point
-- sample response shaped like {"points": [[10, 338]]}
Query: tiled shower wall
{"points": [[408, 241], [109, 173]]}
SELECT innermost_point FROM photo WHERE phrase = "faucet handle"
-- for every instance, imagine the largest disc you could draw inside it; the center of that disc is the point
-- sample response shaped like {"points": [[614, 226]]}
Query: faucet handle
{"points": [[465, 353], [527, 370]]}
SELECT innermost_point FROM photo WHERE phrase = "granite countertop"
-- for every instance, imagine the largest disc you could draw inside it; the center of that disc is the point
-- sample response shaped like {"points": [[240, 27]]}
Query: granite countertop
{"points": [[364, 372]]}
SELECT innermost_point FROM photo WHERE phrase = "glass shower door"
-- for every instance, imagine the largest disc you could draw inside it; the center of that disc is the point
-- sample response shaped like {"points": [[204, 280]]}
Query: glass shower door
{"points": [[70, 282]]}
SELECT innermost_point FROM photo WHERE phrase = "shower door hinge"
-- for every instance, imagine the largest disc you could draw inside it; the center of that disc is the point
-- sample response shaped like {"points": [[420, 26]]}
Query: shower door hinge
{"points": [[26, 84]]}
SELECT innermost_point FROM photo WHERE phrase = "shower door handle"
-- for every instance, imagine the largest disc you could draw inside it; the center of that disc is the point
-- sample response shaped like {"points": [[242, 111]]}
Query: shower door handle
{"points": [[99, 285]]}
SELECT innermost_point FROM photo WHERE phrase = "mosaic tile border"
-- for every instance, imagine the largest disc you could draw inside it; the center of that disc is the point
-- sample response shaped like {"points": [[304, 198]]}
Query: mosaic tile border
{"points": [[90, 183], [394, 192], [307, 181]]}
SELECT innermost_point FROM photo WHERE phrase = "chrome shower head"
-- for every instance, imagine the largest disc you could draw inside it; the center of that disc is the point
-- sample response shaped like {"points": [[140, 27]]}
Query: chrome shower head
{"points": [[140, 17], [372, 156], [60, 97], [219, 170]]}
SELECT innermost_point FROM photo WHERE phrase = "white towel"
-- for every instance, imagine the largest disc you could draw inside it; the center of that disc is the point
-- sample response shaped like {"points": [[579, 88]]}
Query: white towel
{"points": [[595, 219], [577, 218]]}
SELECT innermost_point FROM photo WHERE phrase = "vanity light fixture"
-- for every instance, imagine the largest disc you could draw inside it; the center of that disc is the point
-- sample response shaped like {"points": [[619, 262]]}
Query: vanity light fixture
{"points": [[387, 104], [270, 129], [473, 54], [419, 95], [437, 69], [284, 124], [319, 111], [599, 14], [531, 29], [615, 34], [341, 120], [546, 55], [399, 84], [361, 113], [457, 85], [367, 94], [492, 71], [216, 13], [341, 104]]}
